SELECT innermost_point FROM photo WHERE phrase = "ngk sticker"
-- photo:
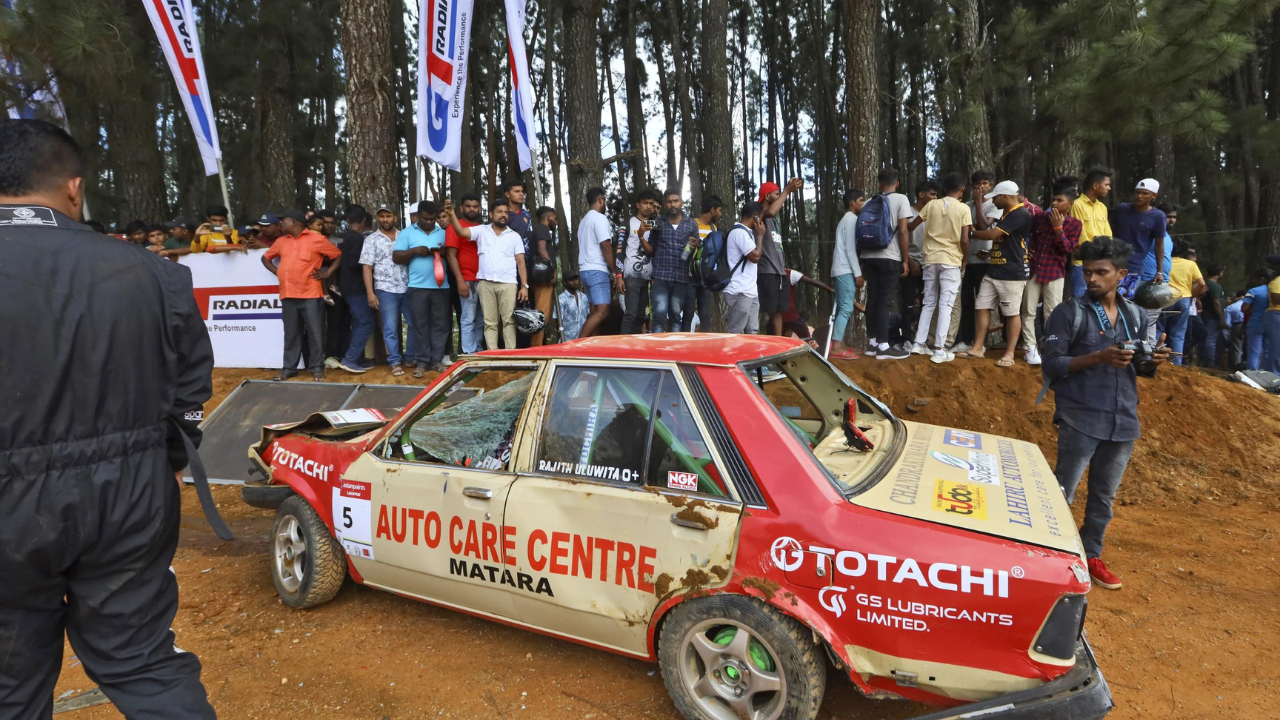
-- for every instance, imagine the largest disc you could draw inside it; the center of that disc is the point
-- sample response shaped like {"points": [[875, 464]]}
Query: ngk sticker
{"points": [[788, 555], [682, 480]]}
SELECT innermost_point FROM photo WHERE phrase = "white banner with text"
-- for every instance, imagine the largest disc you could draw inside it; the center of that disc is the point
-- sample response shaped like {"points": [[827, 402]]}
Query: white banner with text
{"points": [[239, 300]]}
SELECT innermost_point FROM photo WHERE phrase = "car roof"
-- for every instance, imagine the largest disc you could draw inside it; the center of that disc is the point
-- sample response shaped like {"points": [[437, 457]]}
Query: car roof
{"points": [[692, 348]]}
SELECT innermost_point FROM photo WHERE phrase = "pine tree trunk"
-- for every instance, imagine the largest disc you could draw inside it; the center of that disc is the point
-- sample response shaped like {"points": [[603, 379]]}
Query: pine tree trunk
{"points": [[688, 131], [716, 122], [862, 88], [371, 147], [405, 124], [581, 100], [278, 187], [668, 114], [973, 133], [617, 135], [134, 153], [632, 68]]}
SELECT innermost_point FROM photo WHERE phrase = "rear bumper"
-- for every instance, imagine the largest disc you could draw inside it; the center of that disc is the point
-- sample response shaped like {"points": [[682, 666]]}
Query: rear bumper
{"points": [[1081, 694]]}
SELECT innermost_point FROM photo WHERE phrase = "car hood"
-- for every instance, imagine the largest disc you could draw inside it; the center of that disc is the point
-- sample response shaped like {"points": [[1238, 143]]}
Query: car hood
{"points": [[976, 481]]}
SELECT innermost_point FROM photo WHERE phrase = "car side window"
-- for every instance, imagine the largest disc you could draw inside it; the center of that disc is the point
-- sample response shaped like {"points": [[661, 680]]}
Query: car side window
{"points": [[470, 423], [624, 425]]}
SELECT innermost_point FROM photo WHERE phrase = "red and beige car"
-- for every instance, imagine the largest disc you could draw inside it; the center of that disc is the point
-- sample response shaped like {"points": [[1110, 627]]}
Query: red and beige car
{"points": [[658, 496]]}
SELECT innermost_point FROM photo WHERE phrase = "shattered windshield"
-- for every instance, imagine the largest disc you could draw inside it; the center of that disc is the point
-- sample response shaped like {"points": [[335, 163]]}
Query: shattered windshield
{"points": [[473, 432]]}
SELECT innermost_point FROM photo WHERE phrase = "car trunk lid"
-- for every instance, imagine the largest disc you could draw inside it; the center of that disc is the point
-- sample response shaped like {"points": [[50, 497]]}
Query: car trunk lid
{"points": [[979, 482]]}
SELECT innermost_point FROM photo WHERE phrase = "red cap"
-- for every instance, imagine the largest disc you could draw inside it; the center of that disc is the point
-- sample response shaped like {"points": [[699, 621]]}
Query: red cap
{"points": [[767, 188]]}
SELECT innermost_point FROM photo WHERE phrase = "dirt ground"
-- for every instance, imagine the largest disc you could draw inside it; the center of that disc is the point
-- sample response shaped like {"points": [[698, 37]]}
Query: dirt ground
{"points": [[1193, 634]]}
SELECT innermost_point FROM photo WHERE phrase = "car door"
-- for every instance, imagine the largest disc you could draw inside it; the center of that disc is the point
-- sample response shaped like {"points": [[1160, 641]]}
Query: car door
{"points": [[619, 503], [436, 490]]}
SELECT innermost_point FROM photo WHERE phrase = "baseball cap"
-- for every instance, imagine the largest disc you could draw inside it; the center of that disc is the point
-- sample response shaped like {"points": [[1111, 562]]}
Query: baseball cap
{"points": [[767, 188], [268, 219], [183, 221], [1149, 184], [1004, 187], [384, 208], [294, 213]]}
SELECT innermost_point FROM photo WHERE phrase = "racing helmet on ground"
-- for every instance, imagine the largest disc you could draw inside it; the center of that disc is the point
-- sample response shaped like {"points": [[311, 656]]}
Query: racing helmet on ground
{"points": [[1154, 296], [529, 320]]}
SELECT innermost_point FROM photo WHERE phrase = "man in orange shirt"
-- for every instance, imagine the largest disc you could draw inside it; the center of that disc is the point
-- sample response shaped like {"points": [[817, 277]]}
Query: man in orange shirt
{"points": [[302, 266]]}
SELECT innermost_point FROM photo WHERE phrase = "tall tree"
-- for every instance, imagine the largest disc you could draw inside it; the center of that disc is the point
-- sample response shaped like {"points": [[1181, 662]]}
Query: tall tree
{"points": [[371, 91], [716, 122], [862, 92], [580, 94]]}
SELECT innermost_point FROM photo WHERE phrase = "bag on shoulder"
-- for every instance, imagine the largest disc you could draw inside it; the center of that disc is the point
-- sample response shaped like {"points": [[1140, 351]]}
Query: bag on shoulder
{"points": [[712, 269], [875, 228]]}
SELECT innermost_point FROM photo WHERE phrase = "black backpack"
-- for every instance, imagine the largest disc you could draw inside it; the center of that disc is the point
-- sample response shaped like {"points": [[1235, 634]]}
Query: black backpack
{"points": [[712, 269]]}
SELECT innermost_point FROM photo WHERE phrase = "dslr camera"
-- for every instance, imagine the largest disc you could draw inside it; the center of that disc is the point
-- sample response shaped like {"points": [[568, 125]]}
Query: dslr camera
{"points": [[1142, 361]]}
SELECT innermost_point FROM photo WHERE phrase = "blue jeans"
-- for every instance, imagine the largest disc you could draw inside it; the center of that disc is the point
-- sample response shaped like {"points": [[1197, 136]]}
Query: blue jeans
{"points": [[846, 292], [1212, 336], [1272, 323], [393, 306], [363, 322], [472, 321], [1255, 346], [1106, 460], [668, 305], [1078, 288], [1175, 327]]}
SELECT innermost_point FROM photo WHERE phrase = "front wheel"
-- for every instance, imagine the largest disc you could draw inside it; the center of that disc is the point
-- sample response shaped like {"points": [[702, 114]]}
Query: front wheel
{"points": [[730, 657], [307, 564]]}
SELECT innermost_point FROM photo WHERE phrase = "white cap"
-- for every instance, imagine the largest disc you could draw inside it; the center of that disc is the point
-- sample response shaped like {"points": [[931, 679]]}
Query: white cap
{"points": [[1004, 187], [1149, 184]]}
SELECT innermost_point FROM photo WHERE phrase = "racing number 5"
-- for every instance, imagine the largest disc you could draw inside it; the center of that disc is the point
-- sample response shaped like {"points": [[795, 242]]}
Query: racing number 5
{"points": [[346, 517]]}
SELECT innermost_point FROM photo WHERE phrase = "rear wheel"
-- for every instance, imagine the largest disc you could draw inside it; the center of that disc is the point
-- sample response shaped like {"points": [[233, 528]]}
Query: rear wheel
{"points": [[728, 657], [307, 564]]}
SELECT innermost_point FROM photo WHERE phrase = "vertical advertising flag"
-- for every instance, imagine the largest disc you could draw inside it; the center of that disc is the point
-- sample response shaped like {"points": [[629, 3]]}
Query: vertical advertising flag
{"points": [[444, 36], [522, 100], [175, 26]]}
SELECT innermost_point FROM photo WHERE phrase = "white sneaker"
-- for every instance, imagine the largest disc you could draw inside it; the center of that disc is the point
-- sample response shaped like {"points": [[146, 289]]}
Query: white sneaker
{"points": [[919, 349], [1033, 357], [332, 363], [942, 356], [961, 347]]}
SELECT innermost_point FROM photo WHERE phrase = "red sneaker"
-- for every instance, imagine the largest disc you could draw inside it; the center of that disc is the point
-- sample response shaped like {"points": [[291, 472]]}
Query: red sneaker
{"points": [[1102, 576]]}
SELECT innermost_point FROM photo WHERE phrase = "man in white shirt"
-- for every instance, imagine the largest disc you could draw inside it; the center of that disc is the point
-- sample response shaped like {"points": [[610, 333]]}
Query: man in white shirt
{"points": [[743, 249], [501, 275], [846, 273], [884, 267], [595, 258], [637, 265]]}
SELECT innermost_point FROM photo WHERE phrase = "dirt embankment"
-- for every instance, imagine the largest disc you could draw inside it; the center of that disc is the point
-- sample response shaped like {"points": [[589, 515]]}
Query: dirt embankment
{"points": [[1192, 634]]}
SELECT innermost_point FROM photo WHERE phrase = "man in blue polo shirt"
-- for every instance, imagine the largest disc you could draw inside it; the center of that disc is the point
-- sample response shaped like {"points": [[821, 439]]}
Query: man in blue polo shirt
{"points": [[1145, 228], [421, 247]]}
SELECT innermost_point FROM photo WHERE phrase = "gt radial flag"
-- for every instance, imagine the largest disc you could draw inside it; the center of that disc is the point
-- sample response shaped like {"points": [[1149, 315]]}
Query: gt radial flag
{"points": [[175, 26], [522, 102], [444, 36]]}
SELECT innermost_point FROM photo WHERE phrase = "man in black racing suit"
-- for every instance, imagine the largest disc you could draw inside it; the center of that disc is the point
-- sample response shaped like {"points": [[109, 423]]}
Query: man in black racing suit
{"points": [[103, 353]]}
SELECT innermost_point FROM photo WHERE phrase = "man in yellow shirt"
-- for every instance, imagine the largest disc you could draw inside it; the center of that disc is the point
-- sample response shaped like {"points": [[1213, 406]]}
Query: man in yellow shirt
{"points": [[1094, 217], [215, 235], [1187, 282]]}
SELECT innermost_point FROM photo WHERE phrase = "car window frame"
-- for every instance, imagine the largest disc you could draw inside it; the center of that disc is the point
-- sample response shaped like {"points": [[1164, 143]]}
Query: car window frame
{"points": [[732, 493], [881, 470], [383, 446]]}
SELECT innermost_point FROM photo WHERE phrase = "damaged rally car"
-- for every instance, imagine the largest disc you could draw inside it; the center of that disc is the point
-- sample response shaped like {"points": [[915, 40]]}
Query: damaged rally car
{"points": [[654, 496]]}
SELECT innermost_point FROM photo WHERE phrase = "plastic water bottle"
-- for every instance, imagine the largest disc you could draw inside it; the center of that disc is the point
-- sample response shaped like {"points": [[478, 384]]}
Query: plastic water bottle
{"points": [[687, 249]]}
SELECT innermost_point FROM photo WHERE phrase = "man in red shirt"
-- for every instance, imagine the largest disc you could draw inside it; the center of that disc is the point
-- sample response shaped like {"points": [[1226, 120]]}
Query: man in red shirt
{"points": [[1054, 236], [464, 260], [302, 255]]}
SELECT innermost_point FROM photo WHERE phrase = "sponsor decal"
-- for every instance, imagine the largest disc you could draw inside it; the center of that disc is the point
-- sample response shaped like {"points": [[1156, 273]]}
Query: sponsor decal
{"points": [[255, 306], [499, 576], [682, 480], [589, 435], [960, 499], [353, 417], [981, 467], [906, 482], [962, 439], [912, 615], [1015, 494], [787, 554], [831, 597], [481, 544], [280, 457]]}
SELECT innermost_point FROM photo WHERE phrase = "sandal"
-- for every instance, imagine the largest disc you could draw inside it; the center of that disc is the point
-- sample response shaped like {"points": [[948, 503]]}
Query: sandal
{"points": [[397, 371], [847, 355], [969, 355], [419, 371], [1004, 362]]}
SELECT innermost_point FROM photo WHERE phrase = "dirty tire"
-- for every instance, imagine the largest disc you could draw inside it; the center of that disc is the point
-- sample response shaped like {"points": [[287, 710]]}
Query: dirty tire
{"points": [[799, 669], [315, 569]]}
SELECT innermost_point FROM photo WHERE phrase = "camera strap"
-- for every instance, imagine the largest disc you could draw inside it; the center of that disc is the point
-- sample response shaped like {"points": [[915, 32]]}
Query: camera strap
{"points": [[1106, 324]]}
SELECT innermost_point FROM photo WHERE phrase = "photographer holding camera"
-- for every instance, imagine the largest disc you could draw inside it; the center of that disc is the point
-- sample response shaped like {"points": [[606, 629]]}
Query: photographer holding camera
{"points": [[1094, 349]]}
